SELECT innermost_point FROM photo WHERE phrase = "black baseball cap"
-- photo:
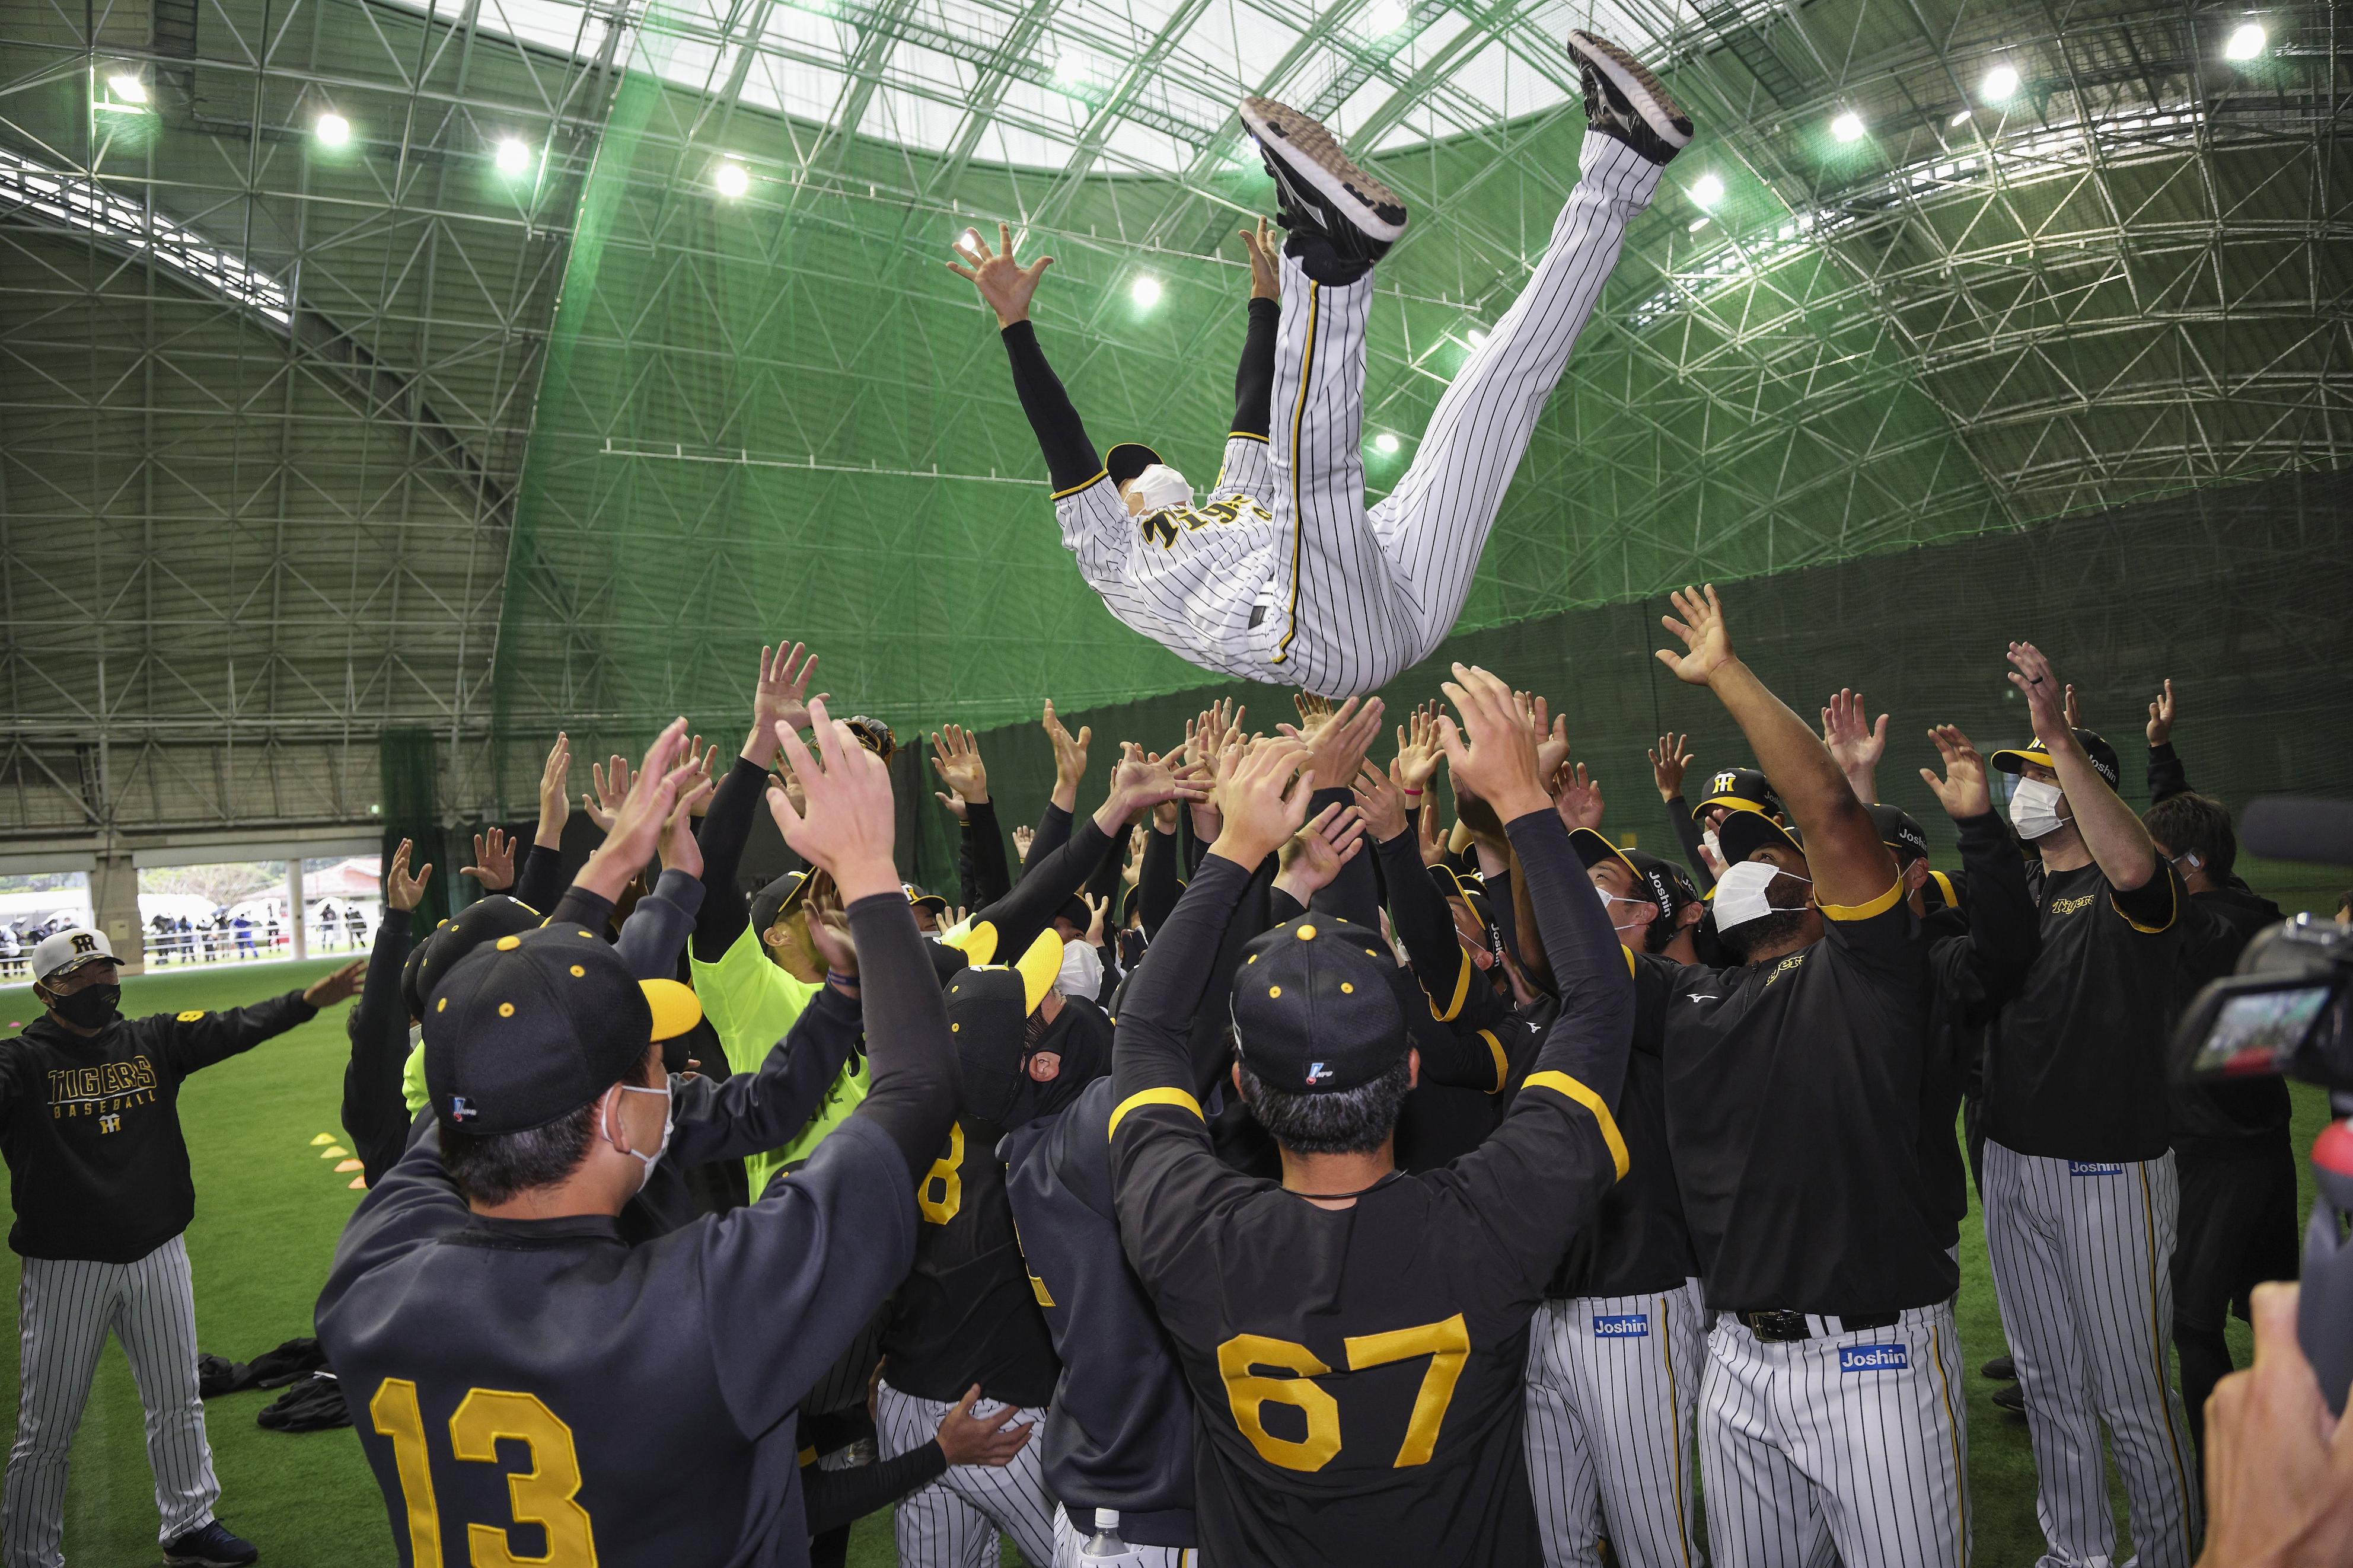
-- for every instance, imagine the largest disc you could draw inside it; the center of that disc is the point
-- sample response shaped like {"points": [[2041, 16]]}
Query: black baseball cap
{"points": [[1900, 832], [1313, 1011], [1592, 849], [1127, 459], [873, 734], [1741, 789], [535, 1025], [482, 921], [777, 900], [1670, 884], [1742, 833], [2013, 759], [917, 898], [988, 1018]]}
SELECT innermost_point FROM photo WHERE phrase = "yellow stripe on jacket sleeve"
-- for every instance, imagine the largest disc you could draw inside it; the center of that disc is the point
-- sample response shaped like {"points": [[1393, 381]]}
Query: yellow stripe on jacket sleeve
{"points": [[1561, 1083], [1502, 1062], [1142, 1098], [1101, 475], [1462, 991], [2171, 914], [1878, 906]]}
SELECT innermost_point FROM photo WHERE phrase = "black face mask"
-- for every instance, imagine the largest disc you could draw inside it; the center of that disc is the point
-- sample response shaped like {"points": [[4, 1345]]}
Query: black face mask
{"points": [[92, 1007]]}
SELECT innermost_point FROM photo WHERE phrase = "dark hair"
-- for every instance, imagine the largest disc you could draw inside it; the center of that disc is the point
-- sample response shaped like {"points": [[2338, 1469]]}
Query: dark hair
{"points": [[490, 1168], [2190, 823], [1338, 1121], [1765, 930]]}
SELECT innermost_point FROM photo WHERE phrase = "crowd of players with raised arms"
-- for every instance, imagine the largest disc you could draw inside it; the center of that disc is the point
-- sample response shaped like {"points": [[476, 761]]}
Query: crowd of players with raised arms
{"points": [[1263, 1167]]}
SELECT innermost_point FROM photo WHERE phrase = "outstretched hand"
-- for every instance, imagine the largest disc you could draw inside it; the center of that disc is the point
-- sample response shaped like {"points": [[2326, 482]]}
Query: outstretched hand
{"points": [[1003, 282], [1699, 621], [554, 792], [2161, 716], [1263, 799], [493, 865], [1315, 854], [956, 757], [1417, 752], [846, 827], [341, 986], [2031, 673], [779, 696], [641, 812], [1490, 750], [401, 891], [1963, 790], [1266, 271], [1668, 759], [1577, 797], [991, 1440], [1853, 741]]}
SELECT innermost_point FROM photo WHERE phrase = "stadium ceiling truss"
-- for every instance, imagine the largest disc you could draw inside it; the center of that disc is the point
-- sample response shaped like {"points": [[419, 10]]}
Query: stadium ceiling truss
{"points": [[264, 404]]}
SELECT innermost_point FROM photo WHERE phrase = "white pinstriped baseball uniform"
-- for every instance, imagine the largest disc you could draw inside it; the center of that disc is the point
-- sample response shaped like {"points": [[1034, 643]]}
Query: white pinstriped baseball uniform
{"points": [[1879, 1409], [65, 1309], [1612, 1381], [1283, 574], [953, 1522]]}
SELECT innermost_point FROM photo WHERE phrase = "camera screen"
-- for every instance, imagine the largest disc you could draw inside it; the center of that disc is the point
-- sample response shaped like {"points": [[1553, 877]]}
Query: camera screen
{"points": [[2259, 1031]]}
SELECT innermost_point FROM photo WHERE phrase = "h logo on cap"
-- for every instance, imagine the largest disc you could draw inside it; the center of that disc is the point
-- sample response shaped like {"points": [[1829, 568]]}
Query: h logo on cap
{"points": [[84, 943], [461, 1108]]}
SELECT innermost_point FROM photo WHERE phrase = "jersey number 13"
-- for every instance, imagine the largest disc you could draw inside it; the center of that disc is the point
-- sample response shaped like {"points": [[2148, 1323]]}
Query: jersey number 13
{"points": [[545, 1495]]}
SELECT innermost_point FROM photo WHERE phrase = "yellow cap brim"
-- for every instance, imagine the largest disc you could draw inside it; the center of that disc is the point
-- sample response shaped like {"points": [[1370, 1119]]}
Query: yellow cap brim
{"points": [[676, 1008], [1732, 802], [1039, 969], [2013, 759]]}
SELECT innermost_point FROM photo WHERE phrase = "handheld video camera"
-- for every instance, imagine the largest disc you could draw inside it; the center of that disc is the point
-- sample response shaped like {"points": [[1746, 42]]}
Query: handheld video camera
{"points": [[2289, 1010]]}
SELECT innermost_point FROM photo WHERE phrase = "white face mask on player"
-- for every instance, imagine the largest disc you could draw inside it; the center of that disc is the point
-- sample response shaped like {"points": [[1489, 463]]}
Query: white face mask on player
{"points": [[1740, 892], [670, 1122], [2034, 808], [1160, 486]]}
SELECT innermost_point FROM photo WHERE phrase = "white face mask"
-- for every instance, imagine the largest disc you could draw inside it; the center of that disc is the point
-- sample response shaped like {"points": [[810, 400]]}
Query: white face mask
{"points": [[1740, 892], [1609, 906], [1082, 971], [1715, 849], [1161, 486], [669, 1120], [2034, 808]]}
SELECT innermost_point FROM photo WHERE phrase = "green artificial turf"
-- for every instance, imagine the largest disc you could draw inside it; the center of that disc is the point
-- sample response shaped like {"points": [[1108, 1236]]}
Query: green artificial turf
{"points": [[269, 1209]]}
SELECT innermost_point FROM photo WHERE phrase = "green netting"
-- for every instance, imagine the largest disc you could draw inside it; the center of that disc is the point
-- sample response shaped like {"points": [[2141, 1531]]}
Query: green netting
{"points": [[782, 416]]}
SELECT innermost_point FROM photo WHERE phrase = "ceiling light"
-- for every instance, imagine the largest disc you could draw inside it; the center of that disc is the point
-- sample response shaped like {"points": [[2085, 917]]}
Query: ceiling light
{"points": [[730, 178], [331, 130], [2247, 42], [514, 157], [1706, 191], [1697, 224], [1847, 127], [1385, 443], [1145, 291], [1476, 337], [1069, 70], [127, 86], [1960, 119], [1385, 18], [1998, 84], [969, 242]]}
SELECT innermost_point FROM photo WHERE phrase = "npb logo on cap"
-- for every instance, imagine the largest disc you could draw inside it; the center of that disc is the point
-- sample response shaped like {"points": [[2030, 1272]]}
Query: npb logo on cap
{"points": [[1317, 1072], [460, 1107], [1875, 1358], [1622, 1326]]}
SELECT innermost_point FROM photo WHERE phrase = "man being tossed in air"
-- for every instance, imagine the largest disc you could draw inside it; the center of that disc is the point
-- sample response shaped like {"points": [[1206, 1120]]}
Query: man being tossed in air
{"points": [[1285, 574], [1350, 1289]]}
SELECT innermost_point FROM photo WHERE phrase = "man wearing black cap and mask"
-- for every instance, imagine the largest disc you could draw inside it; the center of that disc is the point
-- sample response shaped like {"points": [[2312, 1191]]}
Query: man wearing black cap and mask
{"points": [[1830, 1402], [968, 1313], [2081, 1194], [1355, 1338], [524, 1383], [99, 1177]]}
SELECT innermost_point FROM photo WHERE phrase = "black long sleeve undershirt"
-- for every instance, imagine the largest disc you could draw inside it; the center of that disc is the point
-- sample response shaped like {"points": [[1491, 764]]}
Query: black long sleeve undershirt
{"points": [[984, 875], [1071, 461], [1254, 381], [726, 828], [374, 1115], [1689, 834], [913, 1080], [834, 1497]]}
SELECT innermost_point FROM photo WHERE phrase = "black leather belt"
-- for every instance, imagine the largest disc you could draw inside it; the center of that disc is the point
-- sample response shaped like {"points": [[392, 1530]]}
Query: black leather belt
{"points": [[1784, 1327]]}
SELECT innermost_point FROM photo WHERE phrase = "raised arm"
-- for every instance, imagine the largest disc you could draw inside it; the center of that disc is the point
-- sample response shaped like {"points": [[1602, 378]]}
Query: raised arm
{"points": [[1669, 758], [2167, 776], [1856, 744], [847, 831], [2112, 830], [752, 1112], [1006, 286], [2003, 936], [1848, 864], [1254, 381], [374, 1114], [779, 697]]}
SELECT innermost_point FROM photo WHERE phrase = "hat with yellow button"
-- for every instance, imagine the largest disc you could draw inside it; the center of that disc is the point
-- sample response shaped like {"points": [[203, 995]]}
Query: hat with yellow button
{"points": [[437, 952], [1313, 1011], [537, 1023]]}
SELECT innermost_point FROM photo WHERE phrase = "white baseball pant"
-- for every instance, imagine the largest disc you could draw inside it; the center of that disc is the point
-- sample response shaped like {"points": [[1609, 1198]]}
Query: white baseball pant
{"points": [[1861, 1435], [953, 1522], [64, 1311], [1612, 1380], [1070, 1549], [1308, 587], [2083, 1266]]}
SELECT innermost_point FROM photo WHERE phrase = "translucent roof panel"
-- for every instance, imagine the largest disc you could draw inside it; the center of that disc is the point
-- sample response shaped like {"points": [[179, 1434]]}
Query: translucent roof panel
{"points": [[1114, 86]]}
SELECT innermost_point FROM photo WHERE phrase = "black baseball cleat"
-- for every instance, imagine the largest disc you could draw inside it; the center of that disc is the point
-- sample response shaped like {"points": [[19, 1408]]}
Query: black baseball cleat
{"points": [[1322, 191], [2009, 1396], [2001, 1369], [1623, 99], [210, 1546]]}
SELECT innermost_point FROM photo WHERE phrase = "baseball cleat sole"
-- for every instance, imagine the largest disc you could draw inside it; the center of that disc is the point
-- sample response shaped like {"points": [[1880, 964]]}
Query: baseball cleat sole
{"points": [[1313, 156], [1635, 83]]}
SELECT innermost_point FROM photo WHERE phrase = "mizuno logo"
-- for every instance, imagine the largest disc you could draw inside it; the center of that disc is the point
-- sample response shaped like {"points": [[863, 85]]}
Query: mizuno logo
{"points": [[1875, 1358], [2092, 1168], [1703, 997], [1623, 1326]]}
